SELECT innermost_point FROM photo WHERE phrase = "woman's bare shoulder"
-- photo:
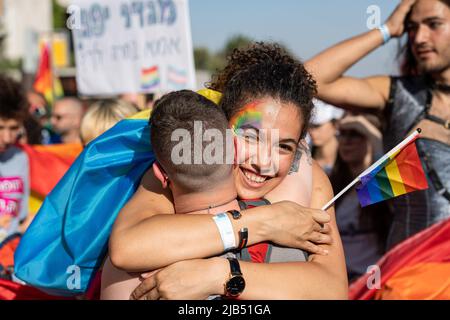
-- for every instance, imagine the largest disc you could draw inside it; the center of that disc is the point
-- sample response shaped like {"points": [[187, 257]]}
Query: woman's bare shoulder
{"points": [[296, 186], [322, 191]]}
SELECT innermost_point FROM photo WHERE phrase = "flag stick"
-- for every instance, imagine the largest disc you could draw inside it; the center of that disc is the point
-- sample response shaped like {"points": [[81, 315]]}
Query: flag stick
{"points": [[398, 147]]}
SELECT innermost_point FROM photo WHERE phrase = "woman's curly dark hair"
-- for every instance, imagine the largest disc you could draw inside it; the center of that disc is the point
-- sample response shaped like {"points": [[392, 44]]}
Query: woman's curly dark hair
{"points": [[265, 70], [13, 103], [242, 59]]}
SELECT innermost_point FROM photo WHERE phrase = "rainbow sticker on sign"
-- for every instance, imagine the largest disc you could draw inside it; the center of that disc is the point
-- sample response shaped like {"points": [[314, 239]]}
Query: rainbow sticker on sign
{"points": [[177, 78], [150, 78]]}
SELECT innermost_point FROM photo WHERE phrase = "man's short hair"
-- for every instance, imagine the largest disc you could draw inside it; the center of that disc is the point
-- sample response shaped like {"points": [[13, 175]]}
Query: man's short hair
{"points": [[13, 102], [179, 110]]}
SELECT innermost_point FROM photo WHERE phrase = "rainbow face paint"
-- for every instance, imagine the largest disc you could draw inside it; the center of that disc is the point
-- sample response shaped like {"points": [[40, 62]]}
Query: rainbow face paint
{"points": [[247, 117]]}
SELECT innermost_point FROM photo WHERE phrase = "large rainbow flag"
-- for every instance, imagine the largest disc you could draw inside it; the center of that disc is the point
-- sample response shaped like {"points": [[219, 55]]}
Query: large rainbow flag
{"points": [[393, 175], [48, 164], [416, 269]]}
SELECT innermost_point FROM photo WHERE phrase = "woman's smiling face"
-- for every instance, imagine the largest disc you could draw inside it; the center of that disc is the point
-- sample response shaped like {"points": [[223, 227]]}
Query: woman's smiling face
{"points": [[268, 132]]}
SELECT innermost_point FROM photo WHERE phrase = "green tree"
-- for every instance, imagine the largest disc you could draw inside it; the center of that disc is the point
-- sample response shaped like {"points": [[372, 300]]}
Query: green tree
{"points": [[59, 15], [205, 60], [202, 58], [236, 42]]}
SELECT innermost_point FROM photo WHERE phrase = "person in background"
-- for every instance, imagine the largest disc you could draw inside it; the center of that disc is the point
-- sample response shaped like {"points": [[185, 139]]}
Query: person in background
{"points": [[139, 100], [363, 230], [419, 98], [323, 134], [39, 119], [14, 166], [66, 119], [38, 107], [31, 131], [103, 115]]}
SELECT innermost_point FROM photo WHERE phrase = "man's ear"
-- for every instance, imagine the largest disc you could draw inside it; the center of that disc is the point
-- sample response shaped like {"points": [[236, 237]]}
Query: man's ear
{"points": [[160, 174]]}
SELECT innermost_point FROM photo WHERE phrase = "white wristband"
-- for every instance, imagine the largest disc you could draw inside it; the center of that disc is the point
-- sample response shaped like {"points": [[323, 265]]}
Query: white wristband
{"points": [[385, 33], [225, 227]]}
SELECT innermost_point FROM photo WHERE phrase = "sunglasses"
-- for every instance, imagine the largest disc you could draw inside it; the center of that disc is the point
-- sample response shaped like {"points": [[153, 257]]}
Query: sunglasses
{"points": [[57, 117]]}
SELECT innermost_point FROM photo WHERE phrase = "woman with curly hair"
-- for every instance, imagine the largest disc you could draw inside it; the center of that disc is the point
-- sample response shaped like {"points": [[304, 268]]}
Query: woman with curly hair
{"points": [[147, 235]]}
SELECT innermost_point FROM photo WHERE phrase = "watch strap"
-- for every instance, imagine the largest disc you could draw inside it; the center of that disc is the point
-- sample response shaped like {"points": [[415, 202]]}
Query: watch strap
{"points": [[243, 238], [235, 214], [235, 268]]}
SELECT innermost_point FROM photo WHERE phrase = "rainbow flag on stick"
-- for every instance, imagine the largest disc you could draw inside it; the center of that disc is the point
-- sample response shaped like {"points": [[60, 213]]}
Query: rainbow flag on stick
{"points": [[397, 172]]}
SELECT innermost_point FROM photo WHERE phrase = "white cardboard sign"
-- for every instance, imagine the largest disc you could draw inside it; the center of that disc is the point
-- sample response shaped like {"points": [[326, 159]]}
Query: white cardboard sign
{"points": [[124, 46]]}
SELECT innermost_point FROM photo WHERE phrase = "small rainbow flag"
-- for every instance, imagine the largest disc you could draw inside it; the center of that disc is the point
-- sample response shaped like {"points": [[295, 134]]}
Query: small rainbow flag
{"points": [[150, 78], [398, 172]]}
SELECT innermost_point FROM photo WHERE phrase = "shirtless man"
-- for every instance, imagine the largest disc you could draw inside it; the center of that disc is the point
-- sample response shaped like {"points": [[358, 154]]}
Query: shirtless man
{"points": [[196, 188]]}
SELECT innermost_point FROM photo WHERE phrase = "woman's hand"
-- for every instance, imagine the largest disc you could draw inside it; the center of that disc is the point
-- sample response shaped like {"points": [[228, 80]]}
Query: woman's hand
{"points": [[294, 226], [396, 22], [195, 279]]}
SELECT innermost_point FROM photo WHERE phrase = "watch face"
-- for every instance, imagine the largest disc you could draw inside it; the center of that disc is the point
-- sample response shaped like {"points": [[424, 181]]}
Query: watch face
{"points": [[235, 286]]}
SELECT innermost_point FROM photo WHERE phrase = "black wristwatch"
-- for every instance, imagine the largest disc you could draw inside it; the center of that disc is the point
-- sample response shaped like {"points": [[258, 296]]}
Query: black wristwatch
{"points": [[236, 284]]}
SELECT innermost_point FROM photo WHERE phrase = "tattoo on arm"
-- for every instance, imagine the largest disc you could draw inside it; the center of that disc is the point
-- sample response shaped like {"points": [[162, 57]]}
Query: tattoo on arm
{"points": [[296, 163], [301, 148]]}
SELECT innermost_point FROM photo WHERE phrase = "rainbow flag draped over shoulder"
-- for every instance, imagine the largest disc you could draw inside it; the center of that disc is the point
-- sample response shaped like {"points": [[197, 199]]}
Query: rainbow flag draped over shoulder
{"points": [[66, 243], [395, 174]]}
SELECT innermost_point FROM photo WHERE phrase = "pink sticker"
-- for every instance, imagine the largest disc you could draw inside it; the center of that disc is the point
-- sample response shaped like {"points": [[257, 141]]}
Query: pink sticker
{"points": [[11, 185], [9, 207]]}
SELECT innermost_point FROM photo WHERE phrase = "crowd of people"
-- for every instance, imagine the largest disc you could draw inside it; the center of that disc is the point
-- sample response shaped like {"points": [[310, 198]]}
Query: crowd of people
{"points": [[163, 243]]}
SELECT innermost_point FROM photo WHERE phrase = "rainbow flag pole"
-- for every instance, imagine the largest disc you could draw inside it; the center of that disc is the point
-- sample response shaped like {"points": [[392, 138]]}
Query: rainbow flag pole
{"points": [[383, 161]]}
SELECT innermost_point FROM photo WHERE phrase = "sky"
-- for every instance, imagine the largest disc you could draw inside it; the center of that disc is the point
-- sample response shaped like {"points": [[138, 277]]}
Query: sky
{"points": [[304, 26]]}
